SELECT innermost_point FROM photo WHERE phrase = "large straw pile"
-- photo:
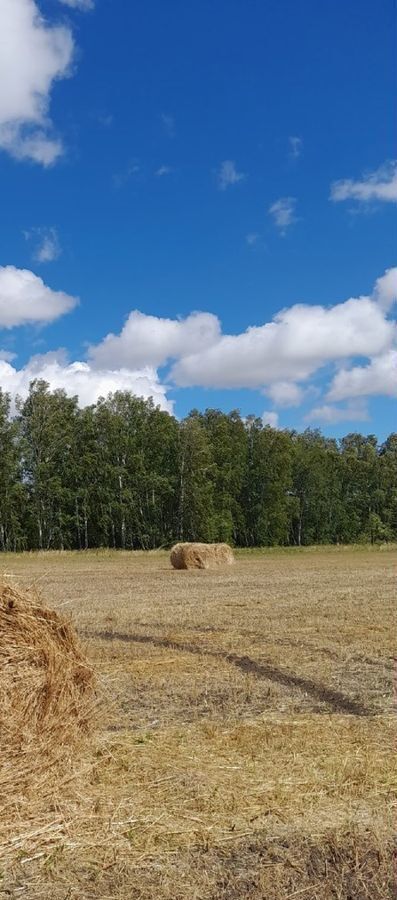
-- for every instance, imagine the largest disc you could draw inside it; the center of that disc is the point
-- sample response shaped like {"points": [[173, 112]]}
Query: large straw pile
{"points": [[46, 696], [201, 556]]}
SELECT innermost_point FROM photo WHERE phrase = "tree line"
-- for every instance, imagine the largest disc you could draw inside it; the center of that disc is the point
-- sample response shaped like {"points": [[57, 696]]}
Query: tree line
{"points": [[124, 474]]}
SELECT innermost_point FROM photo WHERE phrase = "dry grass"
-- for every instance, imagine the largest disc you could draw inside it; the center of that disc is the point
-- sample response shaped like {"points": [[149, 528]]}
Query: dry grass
{"points": [[247, 746]]}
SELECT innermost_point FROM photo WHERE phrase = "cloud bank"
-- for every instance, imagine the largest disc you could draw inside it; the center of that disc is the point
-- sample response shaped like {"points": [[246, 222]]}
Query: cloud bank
{"points": [[78, 378], [299, 341], [351, 345]]}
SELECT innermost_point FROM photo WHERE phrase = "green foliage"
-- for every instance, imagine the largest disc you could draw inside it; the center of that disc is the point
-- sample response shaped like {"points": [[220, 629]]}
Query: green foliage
{"points": [[124, 474]]}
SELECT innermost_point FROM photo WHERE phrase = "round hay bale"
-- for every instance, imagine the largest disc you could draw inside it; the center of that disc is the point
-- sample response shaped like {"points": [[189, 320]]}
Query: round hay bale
{"points": [[201, 556], [46, 693]]}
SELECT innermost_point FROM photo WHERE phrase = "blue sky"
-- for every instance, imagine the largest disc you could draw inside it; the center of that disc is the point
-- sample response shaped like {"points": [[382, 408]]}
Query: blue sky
{"points": [[231, 158]]}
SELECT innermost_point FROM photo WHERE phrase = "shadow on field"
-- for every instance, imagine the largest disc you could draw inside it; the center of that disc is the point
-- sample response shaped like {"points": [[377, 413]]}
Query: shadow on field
{"points": [[339, 702], [350, 865], [245, 632]]}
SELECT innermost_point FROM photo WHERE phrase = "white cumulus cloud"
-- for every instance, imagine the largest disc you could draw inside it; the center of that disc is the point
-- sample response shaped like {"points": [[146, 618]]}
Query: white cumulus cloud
{"points": [[331, 415], [285, 393], [279, 357], [25, 298], [293, 346], [283, 213], [385, 290], [378, 377], [78, 378], [228, 175], [379, 185], [148, 340], [33, 55]]}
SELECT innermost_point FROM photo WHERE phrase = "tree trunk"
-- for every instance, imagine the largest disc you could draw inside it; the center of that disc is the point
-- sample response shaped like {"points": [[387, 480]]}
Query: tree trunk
{"points": [[85, 524], [78, 523], [181, 512], [122, 513]]}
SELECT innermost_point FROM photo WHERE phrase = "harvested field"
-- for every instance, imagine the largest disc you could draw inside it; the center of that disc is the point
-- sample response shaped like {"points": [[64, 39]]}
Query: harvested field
{"points": [[247, 736]]}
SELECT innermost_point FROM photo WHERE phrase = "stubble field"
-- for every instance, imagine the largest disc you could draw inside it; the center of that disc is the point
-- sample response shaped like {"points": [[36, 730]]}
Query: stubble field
{"points": [[245, 733]]}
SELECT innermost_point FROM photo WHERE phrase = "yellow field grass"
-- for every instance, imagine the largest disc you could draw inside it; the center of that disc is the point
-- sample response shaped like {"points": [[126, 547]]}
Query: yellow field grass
{"points": [[245, 737]]}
